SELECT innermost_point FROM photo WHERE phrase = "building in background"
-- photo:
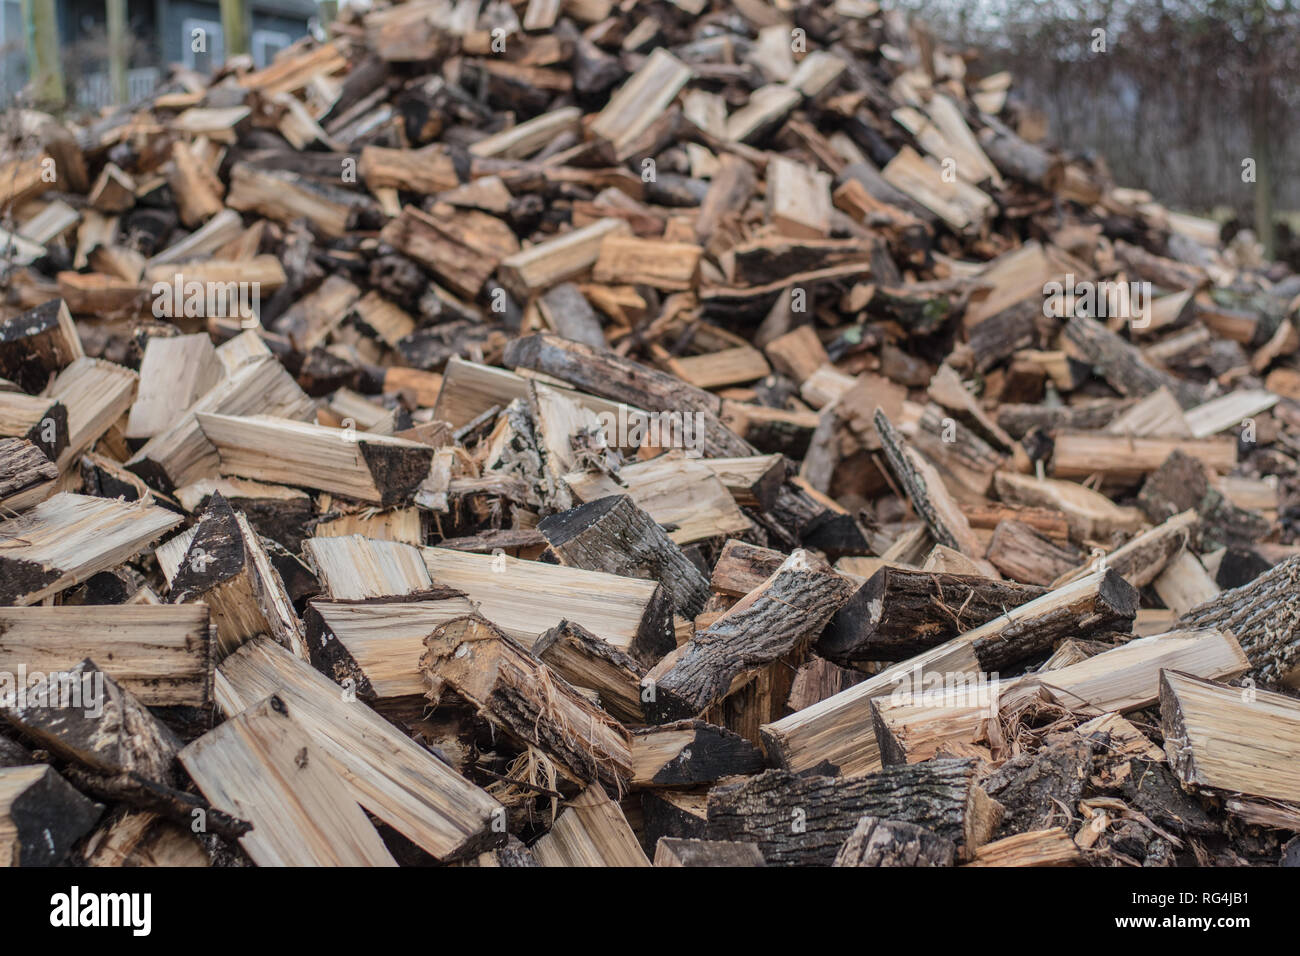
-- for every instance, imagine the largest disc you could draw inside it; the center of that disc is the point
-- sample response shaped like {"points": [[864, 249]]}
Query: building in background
{"points": [[160, 34]]}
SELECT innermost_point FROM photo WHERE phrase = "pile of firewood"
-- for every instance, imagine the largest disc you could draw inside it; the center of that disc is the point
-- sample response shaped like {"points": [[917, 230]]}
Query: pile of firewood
{"points": [[578, 433]]}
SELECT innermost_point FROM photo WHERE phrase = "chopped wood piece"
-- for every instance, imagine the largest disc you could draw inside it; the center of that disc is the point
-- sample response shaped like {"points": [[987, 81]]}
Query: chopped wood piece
{"points": [[1230, 738], [37, 343], [1022, 554], [591, 831], [584, 660], [899, 612], [524, 598], [877, 842], [41, 816], [227, 568], [781, 616], [1052, 847], [615, 536], [65, 539], [672, 851], [27, 476], [690, 752], [803, 821], [373, 468], [523, 697], [262, 765], [387, 773], [95, 723], [161, 654]]}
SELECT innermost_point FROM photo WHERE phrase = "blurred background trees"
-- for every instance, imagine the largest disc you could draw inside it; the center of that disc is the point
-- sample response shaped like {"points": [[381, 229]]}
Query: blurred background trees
{"points": [[1178, 96]]}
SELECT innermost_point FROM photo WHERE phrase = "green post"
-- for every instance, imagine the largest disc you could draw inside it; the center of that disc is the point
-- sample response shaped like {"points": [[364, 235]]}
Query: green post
{"points": [[43, 63], [117, 50], [234, 25]]}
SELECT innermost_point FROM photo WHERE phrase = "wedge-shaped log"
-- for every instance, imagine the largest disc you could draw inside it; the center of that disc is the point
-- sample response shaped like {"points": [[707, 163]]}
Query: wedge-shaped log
{"points": [[390, 775], [900, 612], [65, 539], [96, 394], [263, 766], [27, 477], [372, 468], [803, 821], [354, 568], [591, 831], [163, 654], [524, 598], [92, 721], [690, 752], [40, 420], [584, 660], [377, 644], [41, 816], [615, 536], [227, 568], [522, 696], [181, 454], [780, 617], [37, 343], [1235, 739]]}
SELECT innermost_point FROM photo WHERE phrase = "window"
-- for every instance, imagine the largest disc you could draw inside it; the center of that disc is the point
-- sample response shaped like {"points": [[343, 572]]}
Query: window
{"points": [[213, 43], [266, 44]]}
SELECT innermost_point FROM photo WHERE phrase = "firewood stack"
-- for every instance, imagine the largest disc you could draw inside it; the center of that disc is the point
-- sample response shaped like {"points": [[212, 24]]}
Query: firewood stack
{"points": [[568, 433]]}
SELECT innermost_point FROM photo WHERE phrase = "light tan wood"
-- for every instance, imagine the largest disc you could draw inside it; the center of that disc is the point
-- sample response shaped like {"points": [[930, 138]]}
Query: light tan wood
{"points": [[590, 831], [163, 654], [382, 769], [262, 766]]}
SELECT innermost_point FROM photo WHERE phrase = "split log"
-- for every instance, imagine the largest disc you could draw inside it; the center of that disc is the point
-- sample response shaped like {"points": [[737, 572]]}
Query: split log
{"points": [[27, 476], [803, 821], [591, 831], [262, 765], [1234, 739], [1023, 555], [95, 723], [68, 538], [524, 598], [780, 617], [373, 468], [520, 695], [40, 420], [690, 752], [386, 772], [584, 660], [1053, 847], [163, 655], [41, 816], [899, 612], [877, 842], [37, 343], [615, 536], [227, 568]]}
